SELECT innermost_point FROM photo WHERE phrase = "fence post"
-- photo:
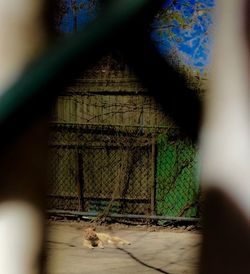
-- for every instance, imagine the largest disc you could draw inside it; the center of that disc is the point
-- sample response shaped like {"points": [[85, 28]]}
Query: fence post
{"points": [[153, 185], [80, 180]]}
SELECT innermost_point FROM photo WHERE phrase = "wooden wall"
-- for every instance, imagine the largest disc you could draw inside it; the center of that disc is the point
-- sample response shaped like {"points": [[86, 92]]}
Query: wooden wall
{"points": [[108, 94]]}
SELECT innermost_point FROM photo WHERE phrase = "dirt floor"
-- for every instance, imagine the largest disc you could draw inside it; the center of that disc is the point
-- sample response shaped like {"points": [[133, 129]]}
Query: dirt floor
{"points": [[152, 250]]}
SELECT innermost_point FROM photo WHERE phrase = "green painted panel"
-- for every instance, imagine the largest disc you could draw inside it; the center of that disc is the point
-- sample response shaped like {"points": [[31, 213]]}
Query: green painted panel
{"points": [[177, 185]]}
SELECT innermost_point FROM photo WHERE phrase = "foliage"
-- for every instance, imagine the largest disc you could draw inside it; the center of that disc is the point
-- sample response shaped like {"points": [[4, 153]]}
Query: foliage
{"points": [[181, 32], [72, 14]]}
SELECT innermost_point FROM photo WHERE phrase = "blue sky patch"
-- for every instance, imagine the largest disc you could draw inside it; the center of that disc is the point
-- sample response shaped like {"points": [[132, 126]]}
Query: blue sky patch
{"points": [[180, 31]]}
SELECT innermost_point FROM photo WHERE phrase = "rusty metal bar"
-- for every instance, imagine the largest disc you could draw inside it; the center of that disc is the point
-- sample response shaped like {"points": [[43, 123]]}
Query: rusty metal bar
{"points": [[129, 216]]}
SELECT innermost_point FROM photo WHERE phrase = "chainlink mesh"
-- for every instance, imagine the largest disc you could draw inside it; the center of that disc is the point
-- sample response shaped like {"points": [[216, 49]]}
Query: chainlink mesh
{"points": [[125, 170], [177, 188]]}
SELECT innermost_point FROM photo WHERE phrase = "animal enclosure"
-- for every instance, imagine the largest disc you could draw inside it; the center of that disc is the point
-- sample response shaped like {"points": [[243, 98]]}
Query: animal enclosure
{"points": [[112, 150]]}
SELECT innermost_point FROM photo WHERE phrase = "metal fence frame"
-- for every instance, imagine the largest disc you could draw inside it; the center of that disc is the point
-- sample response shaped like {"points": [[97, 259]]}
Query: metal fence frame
{"points": [[82, 138]]}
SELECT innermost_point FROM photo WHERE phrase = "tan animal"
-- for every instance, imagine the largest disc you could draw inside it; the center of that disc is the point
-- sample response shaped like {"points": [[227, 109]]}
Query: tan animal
{"points": [[93, 239]]}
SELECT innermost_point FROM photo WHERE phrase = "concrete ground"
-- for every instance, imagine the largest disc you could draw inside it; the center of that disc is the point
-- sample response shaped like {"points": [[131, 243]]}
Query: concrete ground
{"points": [[160, 251]]}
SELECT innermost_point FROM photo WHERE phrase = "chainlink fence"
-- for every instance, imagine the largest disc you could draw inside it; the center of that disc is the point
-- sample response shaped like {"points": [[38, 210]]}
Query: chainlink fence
{"points": [[122, 170]]}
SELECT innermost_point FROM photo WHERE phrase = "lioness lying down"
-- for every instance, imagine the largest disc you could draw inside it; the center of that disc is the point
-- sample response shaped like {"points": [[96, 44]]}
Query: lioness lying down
{"points": [[93, 239]]}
